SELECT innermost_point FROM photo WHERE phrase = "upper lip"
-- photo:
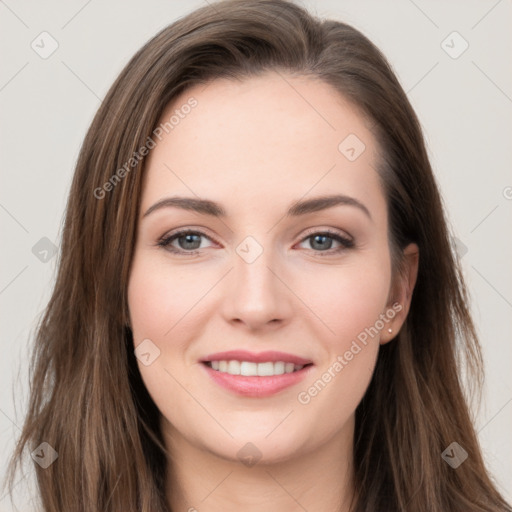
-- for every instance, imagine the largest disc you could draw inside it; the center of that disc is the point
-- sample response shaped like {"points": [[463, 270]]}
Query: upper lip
{"points": [[260, 357]]}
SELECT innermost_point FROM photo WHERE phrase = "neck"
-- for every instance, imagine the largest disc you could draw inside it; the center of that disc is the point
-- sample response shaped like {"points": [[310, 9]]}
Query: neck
{"points": [[317, 481]]}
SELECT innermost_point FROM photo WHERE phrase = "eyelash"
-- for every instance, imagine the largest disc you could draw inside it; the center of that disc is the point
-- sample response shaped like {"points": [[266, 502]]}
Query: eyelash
{"points": [[166, 240]]}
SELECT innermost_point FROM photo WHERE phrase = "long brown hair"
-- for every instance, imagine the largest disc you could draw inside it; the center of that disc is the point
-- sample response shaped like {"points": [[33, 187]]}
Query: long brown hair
{"points": [[87, 397]]}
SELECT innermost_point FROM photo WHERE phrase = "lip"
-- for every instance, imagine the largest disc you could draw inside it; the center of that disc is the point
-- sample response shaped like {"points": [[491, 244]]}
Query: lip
{"points": [[260, 357], [256, 386]]}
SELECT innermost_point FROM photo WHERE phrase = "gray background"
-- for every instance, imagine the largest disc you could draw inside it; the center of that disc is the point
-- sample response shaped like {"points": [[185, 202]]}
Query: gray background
{"points": [[464, 104]]}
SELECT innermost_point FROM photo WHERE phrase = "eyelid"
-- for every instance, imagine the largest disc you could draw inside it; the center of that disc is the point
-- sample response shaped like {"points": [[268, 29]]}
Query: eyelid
{"points": [[331, 231]]}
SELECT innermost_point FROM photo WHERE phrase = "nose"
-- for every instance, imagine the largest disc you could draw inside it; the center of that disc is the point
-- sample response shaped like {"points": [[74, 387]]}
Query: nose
{"points": [[257, 294]]}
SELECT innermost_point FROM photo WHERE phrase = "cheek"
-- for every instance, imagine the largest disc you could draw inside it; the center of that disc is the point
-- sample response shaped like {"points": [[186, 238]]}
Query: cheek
{"points": [[351, 307], [347, 300], [159, 296]]}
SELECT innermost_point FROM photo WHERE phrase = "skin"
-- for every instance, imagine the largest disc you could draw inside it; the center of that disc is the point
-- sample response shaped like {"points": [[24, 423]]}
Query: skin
{"points": [[256, 146]]}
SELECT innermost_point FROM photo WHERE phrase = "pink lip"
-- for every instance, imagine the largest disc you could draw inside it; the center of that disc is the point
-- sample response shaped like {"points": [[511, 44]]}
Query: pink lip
{"points": [[260, 357], [258, 387]]}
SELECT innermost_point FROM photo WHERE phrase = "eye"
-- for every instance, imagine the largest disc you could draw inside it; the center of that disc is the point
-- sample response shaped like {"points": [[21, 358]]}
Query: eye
{"points": [[189, 242], [322, 240]]}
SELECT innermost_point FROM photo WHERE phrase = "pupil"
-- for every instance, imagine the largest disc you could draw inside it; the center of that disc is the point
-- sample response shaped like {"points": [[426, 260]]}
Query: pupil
{"points": [[321, 237], [189, 240]]}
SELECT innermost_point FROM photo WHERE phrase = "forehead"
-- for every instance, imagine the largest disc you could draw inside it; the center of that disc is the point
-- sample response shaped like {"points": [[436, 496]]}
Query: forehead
{"points": [[275, 134]]}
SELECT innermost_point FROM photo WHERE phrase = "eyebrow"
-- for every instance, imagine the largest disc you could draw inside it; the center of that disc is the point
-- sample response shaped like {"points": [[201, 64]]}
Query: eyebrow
{"points": [[297, 208]]}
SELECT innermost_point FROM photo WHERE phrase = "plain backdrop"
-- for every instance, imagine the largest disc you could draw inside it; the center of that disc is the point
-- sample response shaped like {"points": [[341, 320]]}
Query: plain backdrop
{"points": [[459, 83]]}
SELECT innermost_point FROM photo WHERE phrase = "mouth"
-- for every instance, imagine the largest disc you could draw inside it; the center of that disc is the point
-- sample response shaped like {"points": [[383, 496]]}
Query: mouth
{"points": [[256, 375]]}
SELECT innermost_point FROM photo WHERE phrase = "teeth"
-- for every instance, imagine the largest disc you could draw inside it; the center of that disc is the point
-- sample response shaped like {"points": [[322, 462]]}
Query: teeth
{"points": [[265, 369], [279, 368], [234, 368], [250, 369]]}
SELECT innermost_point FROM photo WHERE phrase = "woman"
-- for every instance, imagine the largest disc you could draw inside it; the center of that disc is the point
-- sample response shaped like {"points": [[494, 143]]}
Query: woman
{"points": [[202, 352]]}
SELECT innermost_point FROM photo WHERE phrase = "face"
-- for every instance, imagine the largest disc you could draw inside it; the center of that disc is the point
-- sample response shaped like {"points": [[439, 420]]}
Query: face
{"points": [[295, 300]]}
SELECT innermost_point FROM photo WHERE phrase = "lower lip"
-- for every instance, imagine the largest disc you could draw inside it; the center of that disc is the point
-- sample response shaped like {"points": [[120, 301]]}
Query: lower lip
{"points": [[257, 386]]}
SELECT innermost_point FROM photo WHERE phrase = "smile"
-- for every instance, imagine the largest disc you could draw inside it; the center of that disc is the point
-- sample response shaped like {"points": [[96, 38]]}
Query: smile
{"points": [[256, 375]]}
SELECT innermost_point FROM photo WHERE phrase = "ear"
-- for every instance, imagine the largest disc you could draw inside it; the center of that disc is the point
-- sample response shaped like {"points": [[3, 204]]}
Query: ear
{"points": [[401, 293]]}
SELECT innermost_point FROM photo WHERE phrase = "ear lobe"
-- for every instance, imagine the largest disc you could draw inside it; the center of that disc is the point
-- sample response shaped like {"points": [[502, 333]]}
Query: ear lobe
{"points": [[403, 288]]}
